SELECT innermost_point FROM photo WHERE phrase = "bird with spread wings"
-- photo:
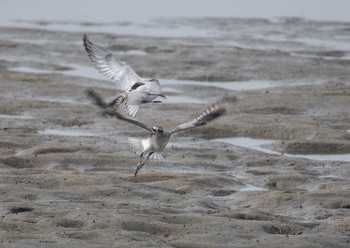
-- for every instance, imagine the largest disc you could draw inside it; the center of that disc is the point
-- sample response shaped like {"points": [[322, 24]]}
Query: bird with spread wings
{"points": [[152, 146], [133, 90]]}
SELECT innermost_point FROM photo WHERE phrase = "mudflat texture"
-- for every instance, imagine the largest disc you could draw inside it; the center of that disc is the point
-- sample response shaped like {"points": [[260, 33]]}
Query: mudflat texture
{"points": [[67, 171]]}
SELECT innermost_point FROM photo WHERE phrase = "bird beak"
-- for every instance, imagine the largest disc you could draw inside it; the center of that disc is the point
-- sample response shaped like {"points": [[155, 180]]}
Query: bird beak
{"points": [[153, 132]]}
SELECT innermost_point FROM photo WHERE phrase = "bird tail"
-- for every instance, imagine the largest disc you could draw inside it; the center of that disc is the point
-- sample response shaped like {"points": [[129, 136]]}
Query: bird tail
{"points": [[136, 145], [132, 109], [157, 156]]}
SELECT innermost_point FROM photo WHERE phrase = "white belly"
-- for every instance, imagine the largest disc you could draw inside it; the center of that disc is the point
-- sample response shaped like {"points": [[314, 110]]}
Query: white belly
{"points": [[137, 97], [146, 144], [144, 93]]}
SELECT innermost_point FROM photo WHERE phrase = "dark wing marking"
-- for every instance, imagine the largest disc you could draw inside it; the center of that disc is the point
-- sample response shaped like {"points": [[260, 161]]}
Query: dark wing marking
{"points": [[136, 85], [97, 99], [132, 121], [211, 113], [109, 110], [110, 66]]}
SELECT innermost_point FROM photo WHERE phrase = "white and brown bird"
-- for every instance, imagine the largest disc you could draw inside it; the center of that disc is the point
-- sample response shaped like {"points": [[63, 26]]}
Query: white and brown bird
{"points": [[152, 146], [133, 90]]}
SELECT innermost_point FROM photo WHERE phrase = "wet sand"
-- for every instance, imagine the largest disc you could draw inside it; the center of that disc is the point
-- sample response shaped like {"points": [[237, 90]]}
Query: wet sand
{"points": [[67, 171]]}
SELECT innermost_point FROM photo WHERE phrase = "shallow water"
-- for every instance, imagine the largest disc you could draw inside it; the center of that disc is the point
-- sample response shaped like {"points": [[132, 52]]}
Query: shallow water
{"points": [[237, 86], [91, 72], [31, 70], [183, 99], [143, 18], [16, 117], [83, 71], [63, 99], [322, 157], [250, 187], [85, 195], [256, 144], [72, 133], [77, 70]]}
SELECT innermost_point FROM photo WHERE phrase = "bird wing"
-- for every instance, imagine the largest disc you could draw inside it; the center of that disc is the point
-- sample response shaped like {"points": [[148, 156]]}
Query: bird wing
{"points": [[132, 121], [211, 113], [108, 109], [110, 66]]}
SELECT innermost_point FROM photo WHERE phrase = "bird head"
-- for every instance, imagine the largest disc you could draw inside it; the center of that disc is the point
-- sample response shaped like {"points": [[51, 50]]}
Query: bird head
{"points": [[157, 130], [154, 88]]}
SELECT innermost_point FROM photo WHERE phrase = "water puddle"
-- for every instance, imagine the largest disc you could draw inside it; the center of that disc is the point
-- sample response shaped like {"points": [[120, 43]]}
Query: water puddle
{"points": [[322, 157], [92, 73], [256, 144], [178, 169], [335, 45], [31, 70], [131, 53], [56, 99], [250, 187], [330, 177], [72, 133], [77, 71], [237, 86], [171, 84], [183, 99], [16, 117], [139, 18]]}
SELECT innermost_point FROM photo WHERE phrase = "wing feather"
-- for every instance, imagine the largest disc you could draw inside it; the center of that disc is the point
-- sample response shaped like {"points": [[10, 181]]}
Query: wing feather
{"points": [[211, 113], [132, 109], [110, 66], [132, 121], [157, 156], [109, 109]]}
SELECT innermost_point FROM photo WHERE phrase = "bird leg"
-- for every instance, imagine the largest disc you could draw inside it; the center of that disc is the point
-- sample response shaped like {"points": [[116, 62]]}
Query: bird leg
{"points": [[140, 165]]}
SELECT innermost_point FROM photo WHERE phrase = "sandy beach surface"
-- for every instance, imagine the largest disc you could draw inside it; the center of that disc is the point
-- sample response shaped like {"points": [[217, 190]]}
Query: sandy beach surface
{"points": [[273, 172]]}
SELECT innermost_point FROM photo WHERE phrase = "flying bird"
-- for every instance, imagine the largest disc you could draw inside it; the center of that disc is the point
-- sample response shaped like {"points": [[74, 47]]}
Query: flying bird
{"points": [[133, 90], [152, 146]]}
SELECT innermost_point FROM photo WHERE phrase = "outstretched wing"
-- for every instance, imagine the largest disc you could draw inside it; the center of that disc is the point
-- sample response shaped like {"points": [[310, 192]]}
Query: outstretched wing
{"points": [[108, 109], [99, 101], [110, 66], [211, 113], [132, 121]]}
